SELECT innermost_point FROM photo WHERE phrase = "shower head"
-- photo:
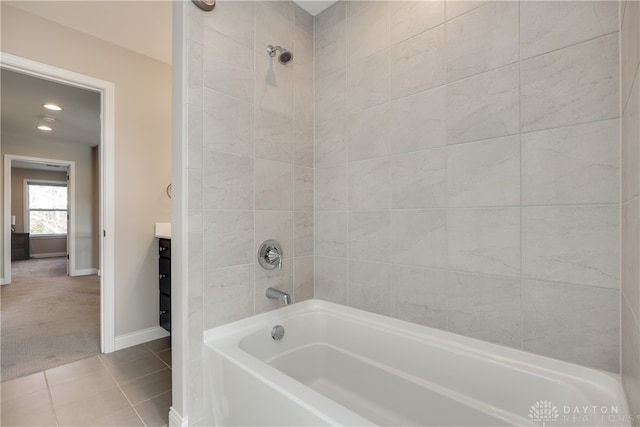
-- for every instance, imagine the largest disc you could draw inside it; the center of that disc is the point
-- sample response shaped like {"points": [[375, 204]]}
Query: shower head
{"points": [[285, 56]]}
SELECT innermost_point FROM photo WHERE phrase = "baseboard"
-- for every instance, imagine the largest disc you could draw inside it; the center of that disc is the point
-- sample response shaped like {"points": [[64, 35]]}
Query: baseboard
{"points": [[3, 281], [140, 337], [49, 255], [176, 420], [84, 272]]}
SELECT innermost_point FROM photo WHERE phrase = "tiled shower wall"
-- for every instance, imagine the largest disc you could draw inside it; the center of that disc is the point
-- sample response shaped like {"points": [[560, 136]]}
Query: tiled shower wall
{"points": [[630, 297], [467, 169], [250, 164]]}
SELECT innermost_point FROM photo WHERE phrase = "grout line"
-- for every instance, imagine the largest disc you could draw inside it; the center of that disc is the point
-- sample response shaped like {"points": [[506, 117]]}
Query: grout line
{"points": [[122, 391], [53, 406]]}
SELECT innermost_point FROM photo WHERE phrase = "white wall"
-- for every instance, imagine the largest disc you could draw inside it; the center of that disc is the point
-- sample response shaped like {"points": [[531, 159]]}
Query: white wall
{"points": [[142, 148]]}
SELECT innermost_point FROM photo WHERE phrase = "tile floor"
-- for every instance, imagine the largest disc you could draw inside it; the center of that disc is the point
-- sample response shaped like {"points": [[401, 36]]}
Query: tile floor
{"points": [[130, 387]]}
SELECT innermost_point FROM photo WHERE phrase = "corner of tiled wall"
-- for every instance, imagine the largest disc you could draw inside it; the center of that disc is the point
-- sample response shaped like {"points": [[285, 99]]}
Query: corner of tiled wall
{"points": [[630, 155], [250, 166], [467, 169]]}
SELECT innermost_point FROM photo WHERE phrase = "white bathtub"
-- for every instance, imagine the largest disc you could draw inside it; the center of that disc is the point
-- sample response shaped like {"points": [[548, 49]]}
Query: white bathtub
{"points": [[341, 366]]}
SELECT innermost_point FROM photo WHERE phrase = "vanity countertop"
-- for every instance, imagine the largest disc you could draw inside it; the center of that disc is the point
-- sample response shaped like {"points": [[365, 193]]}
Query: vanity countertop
{"points": [[163, 230]]}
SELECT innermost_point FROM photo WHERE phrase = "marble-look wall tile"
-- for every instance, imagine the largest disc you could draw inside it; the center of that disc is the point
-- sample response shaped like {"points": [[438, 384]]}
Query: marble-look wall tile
{"points": [[484, 240], [303, 189], [196, 264], [195, 137], [302, 278], [370, 286], [630, 145], [331, 276], [572, 165], [368, 30], [228, 124], [228, 237], [551, 25], [629, 48], [418, 64], [234, 19], [227, 181], [482, 40], [369, 185], [418, 122], [331, 234], [329, 17], [487, 308], [194, 77], [331, 96], [420, 295], [303, 99], [195, 25], [228, 295], [572, 244], [273, 185], [575, 323], [284, 8], [418, 237], [573, 85], [281, 279], [368, 133], [331, 142], [484, 106], [485, 173], [460, 7], [303, 20], [330, 189], [419, 180], [277, 225], [303, 47], [410, 18], [368, 82], [630, 351], [273, 136], [228, 66], [303, 234], [331, 50], [369, 236], [303, 144], [630, 271], [274, 84]]}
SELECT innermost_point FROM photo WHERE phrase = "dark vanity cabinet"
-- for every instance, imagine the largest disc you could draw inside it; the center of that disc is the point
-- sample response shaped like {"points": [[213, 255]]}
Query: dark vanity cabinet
{"points": [[19, 246], [164, 246]]}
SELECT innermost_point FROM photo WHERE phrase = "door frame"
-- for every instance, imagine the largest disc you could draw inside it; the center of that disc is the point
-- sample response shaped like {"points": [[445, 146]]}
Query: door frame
{"points": [[107, 183], [71, 204]]}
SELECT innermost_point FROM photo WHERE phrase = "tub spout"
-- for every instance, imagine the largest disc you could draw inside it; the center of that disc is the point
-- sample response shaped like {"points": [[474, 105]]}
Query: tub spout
{"points": [[276, 294]]}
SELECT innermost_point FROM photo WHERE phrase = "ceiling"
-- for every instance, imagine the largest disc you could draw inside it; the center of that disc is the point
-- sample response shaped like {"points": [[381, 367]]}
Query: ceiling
{"points": [[314, 7], [22, 100]]}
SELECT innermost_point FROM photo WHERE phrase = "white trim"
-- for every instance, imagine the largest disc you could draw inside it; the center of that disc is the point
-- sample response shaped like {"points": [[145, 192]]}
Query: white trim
{"points": [[49, 255], [177, 420], [107, 181], [84, 272], [140, 337]]}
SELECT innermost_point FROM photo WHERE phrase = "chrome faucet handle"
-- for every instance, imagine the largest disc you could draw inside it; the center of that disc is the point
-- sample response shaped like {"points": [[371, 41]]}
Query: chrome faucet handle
{"points": [[270, 255]]}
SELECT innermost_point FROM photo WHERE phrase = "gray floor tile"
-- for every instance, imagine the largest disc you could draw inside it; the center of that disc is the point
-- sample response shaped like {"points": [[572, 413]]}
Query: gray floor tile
{"points": [[159, 345], [155, 412], [23, 385], [129, 371], [147, 387]]}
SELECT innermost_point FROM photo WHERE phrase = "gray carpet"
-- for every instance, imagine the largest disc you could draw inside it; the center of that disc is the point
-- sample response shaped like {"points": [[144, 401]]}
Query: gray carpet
{"points": [[47, 318]]}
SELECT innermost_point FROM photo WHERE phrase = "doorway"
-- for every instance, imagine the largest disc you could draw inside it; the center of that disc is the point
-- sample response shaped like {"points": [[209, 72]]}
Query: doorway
{"points": [[105, 201]]}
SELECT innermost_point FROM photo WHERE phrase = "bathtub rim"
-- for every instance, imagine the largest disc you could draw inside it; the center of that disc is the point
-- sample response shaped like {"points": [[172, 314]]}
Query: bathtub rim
{"points": [[226, 339]]}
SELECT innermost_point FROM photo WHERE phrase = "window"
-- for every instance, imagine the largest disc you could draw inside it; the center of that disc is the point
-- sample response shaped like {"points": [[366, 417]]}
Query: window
{"points": [[47, 208]]}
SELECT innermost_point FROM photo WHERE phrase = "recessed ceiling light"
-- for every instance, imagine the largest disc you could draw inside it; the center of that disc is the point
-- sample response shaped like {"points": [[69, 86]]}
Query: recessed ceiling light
{"points": [[45, 128], [52, 107]]}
